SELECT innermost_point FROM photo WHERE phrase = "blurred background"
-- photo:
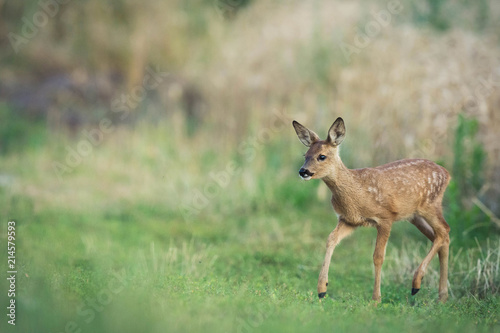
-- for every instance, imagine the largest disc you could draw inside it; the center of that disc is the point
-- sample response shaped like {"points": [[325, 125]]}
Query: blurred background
{"points": [[126, 123]]}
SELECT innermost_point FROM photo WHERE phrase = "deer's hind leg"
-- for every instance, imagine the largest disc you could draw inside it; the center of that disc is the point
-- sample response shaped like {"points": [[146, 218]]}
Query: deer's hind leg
{"points": [[441, 241], [443, 271], [424, 227]]}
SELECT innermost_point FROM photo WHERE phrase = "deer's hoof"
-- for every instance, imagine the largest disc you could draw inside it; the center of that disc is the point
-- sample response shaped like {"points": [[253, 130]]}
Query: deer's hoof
{"points": [[414, 291]]}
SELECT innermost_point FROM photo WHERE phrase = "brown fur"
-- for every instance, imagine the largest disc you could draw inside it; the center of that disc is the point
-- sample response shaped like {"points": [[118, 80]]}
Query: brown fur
{"points": [[410, 189]]}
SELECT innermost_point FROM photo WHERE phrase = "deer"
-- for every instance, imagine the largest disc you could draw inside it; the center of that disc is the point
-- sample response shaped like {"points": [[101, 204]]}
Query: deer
{"points": [[408, 189]]}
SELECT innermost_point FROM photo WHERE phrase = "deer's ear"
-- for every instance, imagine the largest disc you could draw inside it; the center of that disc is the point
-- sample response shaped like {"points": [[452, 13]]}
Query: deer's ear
{"points": [[336, 133], [306, 136]]}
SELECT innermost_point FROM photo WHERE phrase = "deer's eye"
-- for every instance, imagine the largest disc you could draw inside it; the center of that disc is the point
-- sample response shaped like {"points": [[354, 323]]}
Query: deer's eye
{"points": [[321, 157]]}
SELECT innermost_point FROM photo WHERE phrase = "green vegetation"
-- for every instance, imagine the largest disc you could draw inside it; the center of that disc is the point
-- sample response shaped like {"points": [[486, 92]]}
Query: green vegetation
{"points": [[437, 14], [468, 179], [18, 133], [248, 261]]}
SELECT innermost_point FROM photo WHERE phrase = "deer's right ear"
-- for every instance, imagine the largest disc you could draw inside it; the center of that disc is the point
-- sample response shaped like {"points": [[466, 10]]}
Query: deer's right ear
{"points": [[306, 136]]}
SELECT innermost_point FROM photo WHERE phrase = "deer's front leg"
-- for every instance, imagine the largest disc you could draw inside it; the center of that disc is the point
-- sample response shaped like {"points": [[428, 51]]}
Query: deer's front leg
{"points": [[341, 231], [383, 232]]}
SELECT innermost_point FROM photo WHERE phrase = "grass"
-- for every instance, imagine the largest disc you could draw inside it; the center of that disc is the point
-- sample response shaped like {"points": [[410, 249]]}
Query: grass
{"points": [[251, 278], [247, 261]]}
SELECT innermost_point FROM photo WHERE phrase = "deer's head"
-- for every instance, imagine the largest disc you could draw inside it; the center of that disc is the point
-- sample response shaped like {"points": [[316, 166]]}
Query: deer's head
{"points": [[322, 157]]}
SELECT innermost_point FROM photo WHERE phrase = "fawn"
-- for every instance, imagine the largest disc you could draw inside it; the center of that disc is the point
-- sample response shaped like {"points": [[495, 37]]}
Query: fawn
{"points": [[409, 189]]}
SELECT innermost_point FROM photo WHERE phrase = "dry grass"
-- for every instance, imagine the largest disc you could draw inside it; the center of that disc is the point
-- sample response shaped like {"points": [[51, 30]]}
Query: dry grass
{"points": [[187, 260], [472, 271], [407, 79]]}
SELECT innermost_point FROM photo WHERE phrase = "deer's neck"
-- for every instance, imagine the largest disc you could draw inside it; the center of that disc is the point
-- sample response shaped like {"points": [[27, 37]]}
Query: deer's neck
{"points": [[344, 186]]}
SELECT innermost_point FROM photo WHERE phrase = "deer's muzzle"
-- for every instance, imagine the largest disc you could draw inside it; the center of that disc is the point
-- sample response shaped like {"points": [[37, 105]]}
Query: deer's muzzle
{"points": [[305, 174]]}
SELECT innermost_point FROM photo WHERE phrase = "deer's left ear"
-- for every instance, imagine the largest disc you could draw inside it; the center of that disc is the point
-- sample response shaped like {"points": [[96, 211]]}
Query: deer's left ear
{"points": [[336, 133]]}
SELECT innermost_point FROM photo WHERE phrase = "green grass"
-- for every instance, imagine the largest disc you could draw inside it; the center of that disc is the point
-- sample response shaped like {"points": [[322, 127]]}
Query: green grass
{"points": [[247, 262], [255, 277], [109, 249]]}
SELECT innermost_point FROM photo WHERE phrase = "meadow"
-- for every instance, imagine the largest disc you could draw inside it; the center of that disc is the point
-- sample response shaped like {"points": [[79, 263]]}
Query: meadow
{"points": [[175, 205], [135, 260]]}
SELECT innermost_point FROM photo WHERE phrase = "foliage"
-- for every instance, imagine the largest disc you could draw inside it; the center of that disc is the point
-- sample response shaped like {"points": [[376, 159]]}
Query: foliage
{"points": [[465, 218], [436, 14], [18, 133]]}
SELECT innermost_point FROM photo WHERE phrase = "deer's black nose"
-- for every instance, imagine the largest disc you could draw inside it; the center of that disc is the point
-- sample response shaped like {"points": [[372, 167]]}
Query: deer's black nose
{"points": [[305, 173]]}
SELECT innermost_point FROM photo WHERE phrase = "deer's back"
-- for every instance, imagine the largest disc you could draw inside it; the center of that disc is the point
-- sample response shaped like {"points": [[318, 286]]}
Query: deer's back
{"points": [[399, 189]]}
